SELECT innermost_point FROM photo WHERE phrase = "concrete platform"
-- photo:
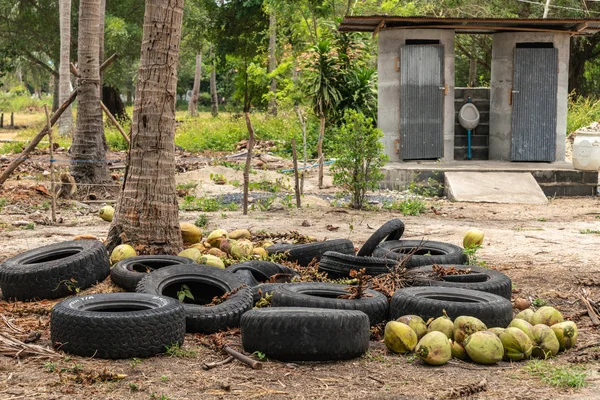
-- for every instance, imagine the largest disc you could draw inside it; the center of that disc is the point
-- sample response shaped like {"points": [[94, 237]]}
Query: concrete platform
{"points": [[493, 187]]}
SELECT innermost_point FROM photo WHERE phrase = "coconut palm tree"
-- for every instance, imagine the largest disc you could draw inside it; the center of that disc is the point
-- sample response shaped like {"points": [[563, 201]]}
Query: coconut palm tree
{"points": [[65, 124], [88, 150], [147, 214], [322, 88]]}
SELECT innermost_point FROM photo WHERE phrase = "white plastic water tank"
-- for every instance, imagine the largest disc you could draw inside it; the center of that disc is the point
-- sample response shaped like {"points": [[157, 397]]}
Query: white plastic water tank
{"points": [[586, 150]]}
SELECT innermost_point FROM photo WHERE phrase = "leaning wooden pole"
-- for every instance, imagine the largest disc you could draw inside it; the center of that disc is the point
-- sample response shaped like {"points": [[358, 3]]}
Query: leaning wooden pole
{"points": [[115, 122], [248, 162], [25, 154], [296, 180]]}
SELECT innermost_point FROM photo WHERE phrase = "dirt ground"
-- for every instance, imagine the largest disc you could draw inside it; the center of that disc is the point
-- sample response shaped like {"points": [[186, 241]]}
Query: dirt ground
{"points": [[542, 248]]}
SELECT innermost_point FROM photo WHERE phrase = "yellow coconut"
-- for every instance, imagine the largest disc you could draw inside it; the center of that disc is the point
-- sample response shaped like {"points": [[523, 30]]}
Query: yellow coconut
{"points": [[442, 324], [190, 233], [465, 326], [546, 315], [473, 237], [525, 315], [121, 252], [199, 246], [399, 338], [260, 252], [496, 331], [545, 342], [566, 333], [106, 213], [434, 348], [416, 323], [215, 237], [458, 350], [522, 325], [516, 343], [240, 234], [191, 253], [217, 253], [241, 249], [211, 261], [484, 347]]}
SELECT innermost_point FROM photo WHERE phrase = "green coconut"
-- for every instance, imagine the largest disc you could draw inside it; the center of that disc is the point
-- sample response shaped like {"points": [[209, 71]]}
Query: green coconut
{"points": [[465, 326], [473, 237], [107, 213], [516, 343], [525, 315], [192, 253], [566, 333], [416, 323], [484, 347], [212, 261], [496, 331], [434, 348], [545, 342], [546, 315], [240, 234], [399, 338], [121, 252], [522, 325], [442, 324], [215, 237], [190, 233], [241, 249], [458, 350]]}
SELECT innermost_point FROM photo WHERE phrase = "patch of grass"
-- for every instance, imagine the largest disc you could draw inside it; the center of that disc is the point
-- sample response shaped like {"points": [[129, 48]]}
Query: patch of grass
{"points": [[590, 231], [175, 350], [201, 221], [186, 186], [268, 186], [538, 302], [3, 202], [135, 362], [472, 257], [12, 147], [164, 378], [18, 100], [568, 376], [582, 112], [410, 206], [193, 203], [50, 366], [30, 226], [134, 387]]}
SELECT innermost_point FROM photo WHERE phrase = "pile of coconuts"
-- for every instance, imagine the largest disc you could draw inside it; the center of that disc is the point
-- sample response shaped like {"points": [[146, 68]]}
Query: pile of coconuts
{"points": [[539, 334], [218, 246]]}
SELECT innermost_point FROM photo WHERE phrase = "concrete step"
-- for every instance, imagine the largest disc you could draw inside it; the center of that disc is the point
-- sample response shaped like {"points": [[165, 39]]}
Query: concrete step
{"points": [[477, 153], [569, 190], [493, 187], [476, 141]]}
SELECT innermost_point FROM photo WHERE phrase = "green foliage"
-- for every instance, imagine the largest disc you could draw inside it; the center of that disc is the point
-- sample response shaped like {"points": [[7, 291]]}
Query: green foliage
{"points": [[201, 221], [589, 231], [50, 366], [12, 147], [175, 350], [266, 185], [472, 257], [260, 355], [582, 112], [187, 186], [192, 203], [412, 205], [539, 302], [359, 157], [135, 362], [3, 202], [567, 376], [184, 293], [134, 387], [323, 78], [19, 100]]}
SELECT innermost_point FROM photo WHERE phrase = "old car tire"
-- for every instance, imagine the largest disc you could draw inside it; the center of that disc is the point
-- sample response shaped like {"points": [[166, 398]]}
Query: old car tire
{"points": [[302, 334], [430, 252], [338, 265], [326, 295], [303, 254], [430, 302], [117, 325], [54, 271], [128, 273], [391, 230], [208, 281]]}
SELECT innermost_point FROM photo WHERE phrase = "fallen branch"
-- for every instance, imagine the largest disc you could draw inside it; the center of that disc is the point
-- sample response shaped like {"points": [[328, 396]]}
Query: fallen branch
{"points": [[115, 122], [584, 297], [207, 366], [243, 358], [11, 347]]}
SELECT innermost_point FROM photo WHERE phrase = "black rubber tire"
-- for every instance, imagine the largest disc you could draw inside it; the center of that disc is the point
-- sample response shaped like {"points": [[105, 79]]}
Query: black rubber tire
{"points": [[482, 279], [263, 289], [117, 325], [214, 282], [303, 254], [391, 230], [430, 302], [262, 270], [440, 253], [325, 295], [246, 277], [338, 265], [54, 271], [301, 334], [125, 275]]}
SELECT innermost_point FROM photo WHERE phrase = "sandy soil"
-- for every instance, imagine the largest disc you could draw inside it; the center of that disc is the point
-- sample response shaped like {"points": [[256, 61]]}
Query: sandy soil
{"points": [[542, 249]]}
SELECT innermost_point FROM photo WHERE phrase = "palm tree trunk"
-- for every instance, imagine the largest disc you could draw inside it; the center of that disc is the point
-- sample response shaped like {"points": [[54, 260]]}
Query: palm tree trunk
{"points": [[65, 124], [88, 150], [272, 62], [147, 214], [101, 37], [320, 150], [214, 96], [193, 105]]}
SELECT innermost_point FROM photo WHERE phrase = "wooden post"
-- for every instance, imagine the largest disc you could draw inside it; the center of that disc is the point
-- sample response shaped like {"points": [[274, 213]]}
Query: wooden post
{"points": [[12, 119], [34, 142], [296, 181], [115, 122], [51, 150], [1, 120]]}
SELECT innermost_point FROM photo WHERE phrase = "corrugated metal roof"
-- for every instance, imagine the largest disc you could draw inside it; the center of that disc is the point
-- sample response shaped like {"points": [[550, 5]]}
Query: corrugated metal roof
{"points": [[375, 23]]}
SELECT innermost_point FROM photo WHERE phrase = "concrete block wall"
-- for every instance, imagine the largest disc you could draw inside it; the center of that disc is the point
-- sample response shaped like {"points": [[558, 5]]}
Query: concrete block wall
{"points": [[503, 45], [390, 41]]}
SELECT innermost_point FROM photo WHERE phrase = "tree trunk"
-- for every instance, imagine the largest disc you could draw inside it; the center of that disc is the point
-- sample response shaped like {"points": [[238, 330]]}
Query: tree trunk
{"points": [[55, 92], [147, 214], [101, 36], [88, 149], [320, 150], [65, 124], [193, 105], [272, 62], [248, 161], [214, 96]]}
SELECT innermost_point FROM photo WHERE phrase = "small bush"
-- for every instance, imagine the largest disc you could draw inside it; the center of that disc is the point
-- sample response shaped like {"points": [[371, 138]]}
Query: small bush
{"points": [[359, 157], [582, 112]]}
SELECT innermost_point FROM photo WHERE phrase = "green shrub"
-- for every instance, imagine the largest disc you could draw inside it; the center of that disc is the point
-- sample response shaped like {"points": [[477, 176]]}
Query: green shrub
{"points": [[582, 112], [359, 157]]}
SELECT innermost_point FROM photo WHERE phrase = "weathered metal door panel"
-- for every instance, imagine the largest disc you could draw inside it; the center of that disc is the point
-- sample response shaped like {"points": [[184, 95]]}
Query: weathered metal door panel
{"points": [[422, 102], [534, 104]]}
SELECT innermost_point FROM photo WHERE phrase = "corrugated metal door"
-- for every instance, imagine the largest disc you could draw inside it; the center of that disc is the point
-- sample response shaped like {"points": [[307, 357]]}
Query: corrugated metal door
{"points": [[422, 102], [534, 104]]}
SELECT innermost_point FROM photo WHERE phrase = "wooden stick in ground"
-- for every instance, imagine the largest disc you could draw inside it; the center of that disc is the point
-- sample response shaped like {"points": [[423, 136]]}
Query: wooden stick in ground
{"points": [[296, 183], [51, 151], [240, 357], [248, 161], [34, 142], [114, 121]]}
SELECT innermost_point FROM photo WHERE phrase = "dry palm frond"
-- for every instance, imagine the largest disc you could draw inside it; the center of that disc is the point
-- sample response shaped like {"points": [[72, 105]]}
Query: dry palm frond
{"points": [[11, 347]]}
